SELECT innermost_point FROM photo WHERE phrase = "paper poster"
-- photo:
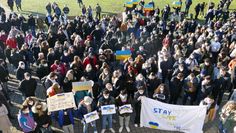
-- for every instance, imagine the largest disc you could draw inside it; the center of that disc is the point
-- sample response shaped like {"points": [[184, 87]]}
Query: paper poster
{"points": [[81, 86], [108, 109], [60, 102], [90, 117], [126, 109], [158, 115]]}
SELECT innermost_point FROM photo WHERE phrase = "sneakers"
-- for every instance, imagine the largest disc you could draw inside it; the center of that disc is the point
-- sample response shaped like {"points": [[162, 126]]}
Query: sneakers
{"points": [[95, 132], [136, 125], [127, 129], [112, 130], [120, 129], [103, 130]]}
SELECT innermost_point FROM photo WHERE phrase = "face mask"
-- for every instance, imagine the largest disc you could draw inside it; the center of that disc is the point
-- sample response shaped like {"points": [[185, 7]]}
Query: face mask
{"points": [[123, 96], [22, 66], [45, 65], [141, 92], [106, 73], [27, 78], [26, 111], [31, 103], [162, 90], [86, 103], [106, 96]]}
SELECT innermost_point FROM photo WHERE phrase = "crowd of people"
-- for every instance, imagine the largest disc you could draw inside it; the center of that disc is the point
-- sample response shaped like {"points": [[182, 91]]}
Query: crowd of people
{"points": [[175, 59]]}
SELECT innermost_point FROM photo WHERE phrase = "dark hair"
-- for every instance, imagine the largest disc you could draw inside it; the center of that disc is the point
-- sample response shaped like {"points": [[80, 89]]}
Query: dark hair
{"points": [[105, 91]]}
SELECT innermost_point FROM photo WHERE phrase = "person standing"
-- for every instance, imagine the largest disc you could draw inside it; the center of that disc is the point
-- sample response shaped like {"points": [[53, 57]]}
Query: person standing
{"points": [[137, 104], [10, 3], [106, 99], [121, 100], [4, 120], [28, 86], [18, 5], [4, 75], [98, 11], [32, 24], [197, 10], [80, 3], [188, 3], [26, 120], [85, 107], [66, 120], [49, 8]]}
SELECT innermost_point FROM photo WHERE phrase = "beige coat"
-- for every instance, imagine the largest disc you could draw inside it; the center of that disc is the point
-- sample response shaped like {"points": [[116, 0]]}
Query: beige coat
{"points": [[4, 120]]}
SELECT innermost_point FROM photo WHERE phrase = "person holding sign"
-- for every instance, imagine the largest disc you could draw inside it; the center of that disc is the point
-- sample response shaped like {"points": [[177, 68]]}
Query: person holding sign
{"points": [[137, 104], [106, 99], [85, 107], [66, 120], [121, 102]]}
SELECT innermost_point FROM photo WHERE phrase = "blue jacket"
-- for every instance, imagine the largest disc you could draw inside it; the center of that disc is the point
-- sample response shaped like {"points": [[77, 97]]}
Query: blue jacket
{"points": [[61, 117]]}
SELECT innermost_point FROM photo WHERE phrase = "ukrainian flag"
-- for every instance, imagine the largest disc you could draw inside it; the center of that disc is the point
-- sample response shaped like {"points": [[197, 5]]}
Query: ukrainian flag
{"points": [[135, 2], [129, 4], [122, 55], [177, 4], [148, 7]]}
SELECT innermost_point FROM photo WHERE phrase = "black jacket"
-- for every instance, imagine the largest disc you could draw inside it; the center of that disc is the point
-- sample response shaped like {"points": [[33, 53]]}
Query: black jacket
{"points": [[28, 87]]}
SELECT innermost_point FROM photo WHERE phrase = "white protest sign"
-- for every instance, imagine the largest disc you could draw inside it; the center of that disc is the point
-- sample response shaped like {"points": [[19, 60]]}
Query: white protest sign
{"points": [[60, 102], [126, 109], [158, 115], [108, 109], [90, 117]]}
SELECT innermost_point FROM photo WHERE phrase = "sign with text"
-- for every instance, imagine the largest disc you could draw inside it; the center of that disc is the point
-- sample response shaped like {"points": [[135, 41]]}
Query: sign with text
{"points": [[60, 102], [108, 109], [158, 115], [90, 117], [126, 109]]}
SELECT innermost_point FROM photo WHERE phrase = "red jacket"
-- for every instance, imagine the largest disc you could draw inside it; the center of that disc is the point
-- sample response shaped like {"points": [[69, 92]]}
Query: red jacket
{"points": [[61, 69], [12, 43], [87, 61]]}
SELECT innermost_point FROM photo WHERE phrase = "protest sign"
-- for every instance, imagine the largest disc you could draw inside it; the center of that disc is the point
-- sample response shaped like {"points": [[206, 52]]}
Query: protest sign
{"points": [[158, 115], [90, 117], [123, 54], [60, 102], [108, 109], [126, 109], [81, 86]]}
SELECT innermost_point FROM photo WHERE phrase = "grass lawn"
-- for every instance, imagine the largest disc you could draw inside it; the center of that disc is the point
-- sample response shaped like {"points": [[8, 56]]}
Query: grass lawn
{"points": [[108, 6]]}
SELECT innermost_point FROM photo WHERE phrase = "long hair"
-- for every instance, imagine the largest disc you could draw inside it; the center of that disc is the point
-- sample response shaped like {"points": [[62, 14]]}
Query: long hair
{"points": [[158, 89]]}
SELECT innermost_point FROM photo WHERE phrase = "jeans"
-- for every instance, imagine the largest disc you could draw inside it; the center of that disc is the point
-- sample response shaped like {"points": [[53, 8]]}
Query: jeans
{"points": [[46, 130], [122, 119], [106, 118], [221, 128], [68, 128], [85, 126]]}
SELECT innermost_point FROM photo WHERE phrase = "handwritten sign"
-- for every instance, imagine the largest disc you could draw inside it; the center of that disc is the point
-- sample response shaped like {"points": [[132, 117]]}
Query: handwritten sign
{"points": [[90, 117], [108, 109], [81, 86], [60, 102], [126, 109]]}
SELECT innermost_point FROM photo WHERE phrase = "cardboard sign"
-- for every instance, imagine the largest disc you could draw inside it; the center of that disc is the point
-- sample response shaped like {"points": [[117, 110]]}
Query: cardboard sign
{"points": [[90, 117], [81, 86], [60, 102], [126, 109], [108, 109]]}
